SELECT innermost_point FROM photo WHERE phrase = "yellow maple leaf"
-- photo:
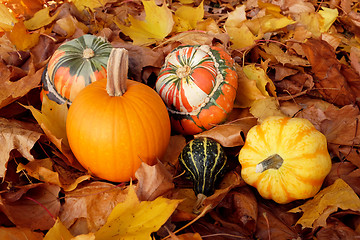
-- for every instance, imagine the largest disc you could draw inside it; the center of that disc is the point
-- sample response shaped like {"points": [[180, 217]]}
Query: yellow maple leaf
{"points": [[327, 201], [236, 17], [58, 231], [40, 19], [21, 38], [268, 23], [157, 25], [263, 108], [187, 1], [52, 119], [255, 85], [189, 15], [133, 219], [262, 80], [329, 15], [240, 35], [7, 19], [284, 57], [319, 22], [88, 4], [243, 33]]}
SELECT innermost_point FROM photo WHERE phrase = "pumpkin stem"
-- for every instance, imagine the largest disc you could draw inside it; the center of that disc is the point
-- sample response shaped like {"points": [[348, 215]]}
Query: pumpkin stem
{"points": [[88, 53], [117, 70], [274, 161]]}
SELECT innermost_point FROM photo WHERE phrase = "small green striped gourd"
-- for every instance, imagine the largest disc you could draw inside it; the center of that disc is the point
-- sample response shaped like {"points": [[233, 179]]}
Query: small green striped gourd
{"points": [[205, 160]]}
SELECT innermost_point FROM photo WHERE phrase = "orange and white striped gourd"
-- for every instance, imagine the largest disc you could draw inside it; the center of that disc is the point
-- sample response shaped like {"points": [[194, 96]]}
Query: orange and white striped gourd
{"points": [[198, 84]]}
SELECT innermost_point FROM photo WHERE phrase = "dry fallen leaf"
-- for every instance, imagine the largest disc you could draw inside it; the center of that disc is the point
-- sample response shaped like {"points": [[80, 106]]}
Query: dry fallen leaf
{"points": [[14, 84], [184, 211], [231, 134], [17, 233], [187, 17], [40, 19], [157, 25], [89, 4], [43, 171], [16, 135], [327, 201], [149, 57], [153, 181], [82, 211], [52, 119], [318, 22], [22, 38], [25, 8], [254, 84], [7, 19], [238, 210], [58, 232], [264, 108], [186, 236], [32, 206], [240, 34], [170, 158], [284, 57], [276, 222], [341, 125], [243, 33], [193, 37], [133, 219], [337, 83], [317, 79]]}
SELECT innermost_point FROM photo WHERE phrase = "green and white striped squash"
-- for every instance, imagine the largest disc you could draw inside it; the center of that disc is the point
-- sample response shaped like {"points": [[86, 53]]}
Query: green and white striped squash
{"points": [[74, 65], [198, 85], [205, 161]]}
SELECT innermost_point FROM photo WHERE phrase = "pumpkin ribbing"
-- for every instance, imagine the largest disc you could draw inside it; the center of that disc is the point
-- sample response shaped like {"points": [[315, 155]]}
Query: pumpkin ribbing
{"points": [[112, 135]]}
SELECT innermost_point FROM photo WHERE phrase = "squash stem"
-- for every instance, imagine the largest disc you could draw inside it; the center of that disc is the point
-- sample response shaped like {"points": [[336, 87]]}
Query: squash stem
{"points": [[199, 203], [88, 53], [274, 161], [183, 72], [117, 70]]}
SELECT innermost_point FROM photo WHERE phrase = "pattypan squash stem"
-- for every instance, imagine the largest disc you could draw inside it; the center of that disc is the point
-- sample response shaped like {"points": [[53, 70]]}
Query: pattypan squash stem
{"points": [[274, 161], [117, 72]]}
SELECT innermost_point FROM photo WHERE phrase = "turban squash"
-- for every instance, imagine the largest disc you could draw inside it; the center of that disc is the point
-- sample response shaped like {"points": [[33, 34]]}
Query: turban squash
{"points": [[198, 85], [74, 65]]}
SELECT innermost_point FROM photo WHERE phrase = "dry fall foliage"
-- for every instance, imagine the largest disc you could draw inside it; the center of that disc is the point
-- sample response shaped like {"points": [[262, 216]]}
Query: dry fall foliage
{"points": [[295, 58]]}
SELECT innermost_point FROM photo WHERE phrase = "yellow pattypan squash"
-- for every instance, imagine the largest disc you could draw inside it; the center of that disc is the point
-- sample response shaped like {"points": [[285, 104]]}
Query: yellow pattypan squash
{"points": [[285, 159]]}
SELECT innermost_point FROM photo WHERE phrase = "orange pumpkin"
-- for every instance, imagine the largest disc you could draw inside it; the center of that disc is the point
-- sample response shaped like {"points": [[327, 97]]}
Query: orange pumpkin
{"points": [[115, 125]]}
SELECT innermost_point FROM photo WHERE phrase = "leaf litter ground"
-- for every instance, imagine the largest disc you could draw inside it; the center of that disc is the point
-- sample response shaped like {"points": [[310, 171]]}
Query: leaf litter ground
{"points": [[294, 58]]}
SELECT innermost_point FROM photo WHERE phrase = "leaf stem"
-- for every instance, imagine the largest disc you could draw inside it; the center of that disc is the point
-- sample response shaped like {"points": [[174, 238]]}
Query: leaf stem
{"points": [[41, 205]]}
